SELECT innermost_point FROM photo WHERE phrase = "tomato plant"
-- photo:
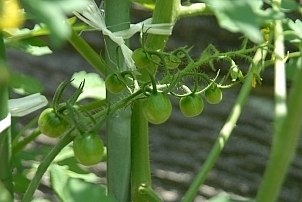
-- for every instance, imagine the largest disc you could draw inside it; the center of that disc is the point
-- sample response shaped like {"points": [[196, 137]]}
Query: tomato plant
{"points": [[140, 58], [191, 105], [88, 148], [114, 84], [51, 124], [157, 108], [213, 95]]}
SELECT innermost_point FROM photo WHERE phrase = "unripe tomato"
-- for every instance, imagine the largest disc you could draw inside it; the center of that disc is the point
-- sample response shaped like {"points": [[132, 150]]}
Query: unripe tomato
{"points": [[114, 84], [172, 61], [51, 124], [140, 58], [157, 108], [191, 105], [88, 148], [213, 95]]}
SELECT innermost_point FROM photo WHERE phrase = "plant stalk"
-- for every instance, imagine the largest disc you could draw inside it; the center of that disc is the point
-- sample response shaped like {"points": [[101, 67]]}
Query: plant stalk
{"points": [[287, 121], [5, 136], [165, 12], [118, 126]]}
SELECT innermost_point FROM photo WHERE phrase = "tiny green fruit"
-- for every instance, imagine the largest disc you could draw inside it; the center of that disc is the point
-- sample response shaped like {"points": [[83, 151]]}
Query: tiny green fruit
{"points": [[88, 148], [213, 95], [191, 105], [114, 84], [157, 108], [140, 58], [52, 125]]}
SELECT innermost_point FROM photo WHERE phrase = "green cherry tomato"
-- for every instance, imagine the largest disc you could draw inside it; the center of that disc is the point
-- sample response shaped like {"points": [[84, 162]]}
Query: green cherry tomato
{"points": [[191, 105], [213, 95], [140, 58], [88, 148], [50, 124], [172, 61], [157, 108], [114, 84]]}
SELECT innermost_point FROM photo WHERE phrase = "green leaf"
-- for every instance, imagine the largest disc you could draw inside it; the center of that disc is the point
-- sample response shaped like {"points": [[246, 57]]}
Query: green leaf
{"points": [[26, 40], [243, 16], [53, 14], [292, 66], [58, 179], [21, 183], [224, 197], [94, 85], [23, 84], [77, 190], [4, 194]]}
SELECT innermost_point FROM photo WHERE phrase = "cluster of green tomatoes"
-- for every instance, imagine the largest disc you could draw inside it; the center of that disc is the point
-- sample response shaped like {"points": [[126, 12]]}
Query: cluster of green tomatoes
{"points": [[156, 106]]}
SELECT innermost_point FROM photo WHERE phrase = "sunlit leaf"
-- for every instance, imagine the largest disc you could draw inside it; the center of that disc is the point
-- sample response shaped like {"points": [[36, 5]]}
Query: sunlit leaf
{"points": [[78, 190], [94, 85], [224, 197], [4, 194]]}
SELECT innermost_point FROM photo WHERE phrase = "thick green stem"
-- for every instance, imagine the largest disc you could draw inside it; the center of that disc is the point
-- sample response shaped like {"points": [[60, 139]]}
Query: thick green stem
{"points": [[165, 12], [118, 125], [5, 136], [66, 139], [287, 124], [284, 145], [140, 160], [225, 132]]}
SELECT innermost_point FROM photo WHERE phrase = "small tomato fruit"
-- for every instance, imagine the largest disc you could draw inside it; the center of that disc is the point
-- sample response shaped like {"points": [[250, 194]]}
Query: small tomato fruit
{"points": [[114, 84], [213, 95], [50, 124], [172, 61], [88, 148], [191, 105], [157, 108], [140, 58]]}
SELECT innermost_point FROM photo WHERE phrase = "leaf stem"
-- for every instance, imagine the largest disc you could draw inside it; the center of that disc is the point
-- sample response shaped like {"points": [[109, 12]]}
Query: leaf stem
{"points": [[194, 9], [118, 126], [88, 53]]}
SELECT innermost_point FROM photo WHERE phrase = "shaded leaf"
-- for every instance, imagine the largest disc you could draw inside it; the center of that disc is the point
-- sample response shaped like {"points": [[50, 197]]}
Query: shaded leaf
{"points": [[78, 190], [53, 14], [243, 16], [23, 84]]}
